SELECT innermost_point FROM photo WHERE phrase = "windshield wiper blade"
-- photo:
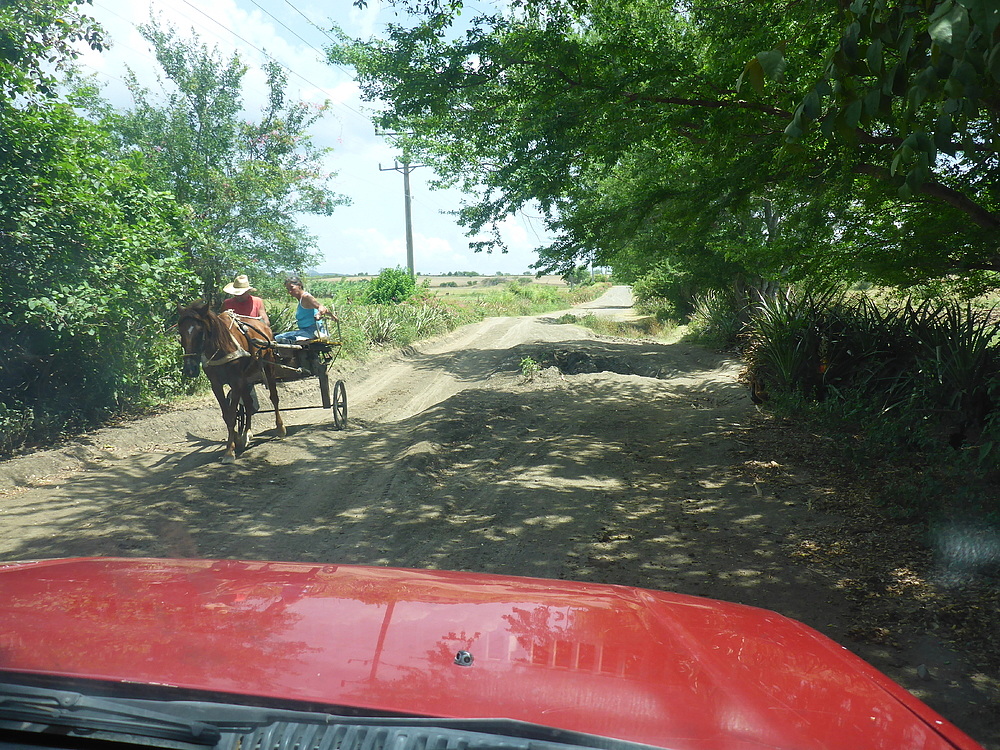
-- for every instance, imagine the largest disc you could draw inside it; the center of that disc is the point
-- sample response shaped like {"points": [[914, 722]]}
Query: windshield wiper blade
{"points": [[76, 711]]}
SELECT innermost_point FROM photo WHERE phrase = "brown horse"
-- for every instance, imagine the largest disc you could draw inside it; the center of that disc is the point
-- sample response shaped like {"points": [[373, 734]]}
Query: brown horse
{"points": [[233, 351]]}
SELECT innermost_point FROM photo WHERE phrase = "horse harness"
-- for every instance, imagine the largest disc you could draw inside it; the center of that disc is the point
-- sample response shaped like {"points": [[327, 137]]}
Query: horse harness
{"points": [[257, 346]]}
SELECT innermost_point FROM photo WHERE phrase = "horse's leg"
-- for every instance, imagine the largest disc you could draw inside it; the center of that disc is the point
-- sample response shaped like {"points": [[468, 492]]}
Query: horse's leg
{"points": [[246, 395], [229, 417], [272, 390]]}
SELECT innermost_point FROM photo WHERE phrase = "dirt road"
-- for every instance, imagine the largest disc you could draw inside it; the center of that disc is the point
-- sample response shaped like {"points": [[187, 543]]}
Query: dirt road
{"points": [[621, 461]]}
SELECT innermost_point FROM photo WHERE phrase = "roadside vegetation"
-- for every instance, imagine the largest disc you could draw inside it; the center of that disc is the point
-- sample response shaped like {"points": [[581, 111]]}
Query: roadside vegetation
{"points": [[906, 388], [816, 187], [385, 312]]}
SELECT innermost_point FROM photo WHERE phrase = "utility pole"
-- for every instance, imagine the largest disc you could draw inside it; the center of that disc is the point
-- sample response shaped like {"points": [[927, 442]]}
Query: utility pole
{"points": [[405, 168]]}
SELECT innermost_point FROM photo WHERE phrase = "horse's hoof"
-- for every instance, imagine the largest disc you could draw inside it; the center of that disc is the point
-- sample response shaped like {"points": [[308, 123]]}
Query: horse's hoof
{"points": [[229, 459], [282, 432]]}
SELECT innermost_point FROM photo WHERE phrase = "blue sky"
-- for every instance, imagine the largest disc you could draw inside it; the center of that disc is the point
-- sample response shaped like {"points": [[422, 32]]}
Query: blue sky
{"points": [[370, 234]]}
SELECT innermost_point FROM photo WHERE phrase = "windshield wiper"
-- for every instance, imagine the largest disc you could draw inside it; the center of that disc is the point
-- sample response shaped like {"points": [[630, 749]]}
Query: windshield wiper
{"points": [[75, 711]]}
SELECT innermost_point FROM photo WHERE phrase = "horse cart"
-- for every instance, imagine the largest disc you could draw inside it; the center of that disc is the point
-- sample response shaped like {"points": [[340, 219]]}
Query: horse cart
{"points": [[238, 353], [313, 358]]}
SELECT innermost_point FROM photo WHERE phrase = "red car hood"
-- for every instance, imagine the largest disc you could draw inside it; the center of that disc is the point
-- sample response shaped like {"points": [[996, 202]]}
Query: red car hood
{"points": [[662, 669]]}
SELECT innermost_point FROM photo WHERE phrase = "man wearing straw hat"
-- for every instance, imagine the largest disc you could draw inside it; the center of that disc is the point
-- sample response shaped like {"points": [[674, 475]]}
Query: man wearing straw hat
{"points": [[246, 305], [242, 302]]}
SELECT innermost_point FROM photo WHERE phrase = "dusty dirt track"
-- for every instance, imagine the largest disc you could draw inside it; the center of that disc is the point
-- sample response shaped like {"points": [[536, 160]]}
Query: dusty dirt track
{"points": [[622, 461]]}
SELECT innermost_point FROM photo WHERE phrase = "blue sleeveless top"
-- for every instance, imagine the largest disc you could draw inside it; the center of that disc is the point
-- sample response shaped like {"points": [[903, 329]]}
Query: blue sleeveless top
{"points": [[305, 317]]}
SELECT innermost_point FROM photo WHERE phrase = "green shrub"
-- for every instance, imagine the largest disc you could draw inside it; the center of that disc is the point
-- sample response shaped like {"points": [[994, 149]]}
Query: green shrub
{"points": [[718, 318], [664, 292], [926, 374], [529, 369], [392, 285]]}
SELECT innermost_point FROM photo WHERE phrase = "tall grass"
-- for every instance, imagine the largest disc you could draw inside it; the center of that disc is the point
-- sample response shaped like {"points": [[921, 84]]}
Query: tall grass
{"points": [[922, 378]]}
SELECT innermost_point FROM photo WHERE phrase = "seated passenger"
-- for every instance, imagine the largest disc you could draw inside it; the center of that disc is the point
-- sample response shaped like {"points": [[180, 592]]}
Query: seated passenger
{"points": [[307, 314]]}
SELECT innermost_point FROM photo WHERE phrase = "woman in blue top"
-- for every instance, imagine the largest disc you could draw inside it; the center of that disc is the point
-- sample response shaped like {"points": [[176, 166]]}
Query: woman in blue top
{"points": [[307, 313]]}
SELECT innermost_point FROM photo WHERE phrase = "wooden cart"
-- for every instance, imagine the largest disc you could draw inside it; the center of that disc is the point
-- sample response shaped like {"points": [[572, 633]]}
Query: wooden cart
{"points": [[313, 358]]}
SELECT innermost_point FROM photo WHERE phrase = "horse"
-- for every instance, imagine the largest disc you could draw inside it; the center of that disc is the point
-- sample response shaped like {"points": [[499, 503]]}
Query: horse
{"points": [[233, 351]]}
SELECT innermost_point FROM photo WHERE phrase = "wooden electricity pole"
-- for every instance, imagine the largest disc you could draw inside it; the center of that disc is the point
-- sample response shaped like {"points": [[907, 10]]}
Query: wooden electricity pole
{"points": [[405, 167]]}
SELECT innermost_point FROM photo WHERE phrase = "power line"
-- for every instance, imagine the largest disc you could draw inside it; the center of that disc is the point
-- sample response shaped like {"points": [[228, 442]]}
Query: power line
{"points": [[318, 28], [210, 32], [286, 27], [250, 44], [310, 21], [274, 59]]}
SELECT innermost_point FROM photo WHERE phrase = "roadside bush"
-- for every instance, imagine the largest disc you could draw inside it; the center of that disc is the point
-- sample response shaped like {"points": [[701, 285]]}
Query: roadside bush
{"points": [[923, 380], [786, 343], [381, 326], [392, 285], [664, 292], [717, 318]]}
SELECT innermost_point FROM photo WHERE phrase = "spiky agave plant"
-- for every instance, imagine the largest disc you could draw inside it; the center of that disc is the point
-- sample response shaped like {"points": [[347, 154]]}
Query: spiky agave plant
{"points": [[719, 316], [788, 345], [958, 357]]}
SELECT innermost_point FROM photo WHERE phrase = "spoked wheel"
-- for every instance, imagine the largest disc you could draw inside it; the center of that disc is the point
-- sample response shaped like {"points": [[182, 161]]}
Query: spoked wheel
{"points": [[241, 422], [339, 405]]}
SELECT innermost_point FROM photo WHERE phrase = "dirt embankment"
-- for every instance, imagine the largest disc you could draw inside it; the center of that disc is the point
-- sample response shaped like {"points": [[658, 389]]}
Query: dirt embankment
{"points": [[621, 461]]}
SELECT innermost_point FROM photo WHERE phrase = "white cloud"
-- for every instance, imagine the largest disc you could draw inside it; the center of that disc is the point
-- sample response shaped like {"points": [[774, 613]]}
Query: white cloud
{"points": [[369, 234]]}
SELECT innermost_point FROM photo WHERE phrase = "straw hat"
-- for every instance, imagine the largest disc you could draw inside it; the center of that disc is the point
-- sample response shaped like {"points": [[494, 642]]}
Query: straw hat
{"points": [[240, 285]]}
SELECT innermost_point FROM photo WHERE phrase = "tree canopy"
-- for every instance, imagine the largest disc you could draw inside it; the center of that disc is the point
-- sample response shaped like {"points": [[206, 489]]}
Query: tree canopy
{"points": [[852, 139], [108, 222], [243, 182], [38, 40]]}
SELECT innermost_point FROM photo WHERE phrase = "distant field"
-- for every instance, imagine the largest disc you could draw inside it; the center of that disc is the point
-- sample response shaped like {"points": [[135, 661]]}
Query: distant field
{"points": [[463, 285]]}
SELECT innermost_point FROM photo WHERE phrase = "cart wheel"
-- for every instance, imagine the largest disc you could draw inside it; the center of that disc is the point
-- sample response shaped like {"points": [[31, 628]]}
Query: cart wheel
{"points": [[324, 384], [242, 434], [241, 422], [339, 405]]}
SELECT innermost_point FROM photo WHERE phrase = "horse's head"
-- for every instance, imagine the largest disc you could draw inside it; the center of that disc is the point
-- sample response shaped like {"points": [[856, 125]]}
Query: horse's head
{"points": [[193, 323]]}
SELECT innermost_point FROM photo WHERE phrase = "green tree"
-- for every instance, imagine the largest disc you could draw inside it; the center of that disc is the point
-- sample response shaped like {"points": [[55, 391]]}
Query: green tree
{"points": [[914, 89], [242, 182], [92, 253], [92, 267], [38, 40], [646, 131]]}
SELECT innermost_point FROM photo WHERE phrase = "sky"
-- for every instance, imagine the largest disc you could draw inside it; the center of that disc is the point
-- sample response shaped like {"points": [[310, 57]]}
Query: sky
{"points": [[368, 235]]}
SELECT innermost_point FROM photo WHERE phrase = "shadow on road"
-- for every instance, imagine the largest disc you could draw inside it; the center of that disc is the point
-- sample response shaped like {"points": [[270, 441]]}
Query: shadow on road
{"points": [[618, 464]]}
